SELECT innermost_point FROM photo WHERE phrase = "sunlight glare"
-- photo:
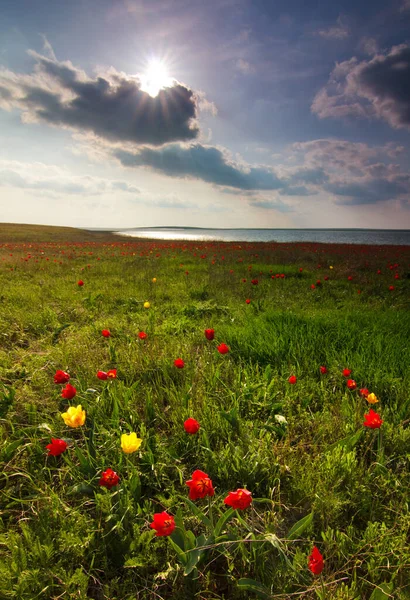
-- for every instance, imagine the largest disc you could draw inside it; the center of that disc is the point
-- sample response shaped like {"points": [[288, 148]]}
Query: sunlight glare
{"points": [[155, 78]]}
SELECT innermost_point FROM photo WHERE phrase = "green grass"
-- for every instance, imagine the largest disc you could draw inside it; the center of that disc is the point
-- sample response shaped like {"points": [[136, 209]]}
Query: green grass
{"points": [[64, 536]]}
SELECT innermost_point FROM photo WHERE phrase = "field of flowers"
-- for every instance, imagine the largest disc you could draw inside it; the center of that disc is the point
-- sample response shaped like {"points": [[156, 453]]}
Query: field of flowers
{"points": [[184, 420]]}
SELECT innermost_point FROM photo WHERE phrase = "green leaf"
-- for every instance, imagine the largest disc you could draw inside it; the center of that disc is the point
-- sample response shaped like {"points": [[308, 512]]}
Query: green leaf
{"points": [[180, 553], [382, 592], [223, 520], [197, 512], [250, 585], [178, 537], [348, 442], [299, 527], [82, 489], [10, 448]]}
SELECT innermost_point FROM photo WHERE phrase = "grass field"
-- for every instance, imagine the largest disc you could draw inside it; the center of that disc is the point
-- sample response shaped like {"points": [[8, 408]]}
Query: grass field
{"points": [[317, 475]]}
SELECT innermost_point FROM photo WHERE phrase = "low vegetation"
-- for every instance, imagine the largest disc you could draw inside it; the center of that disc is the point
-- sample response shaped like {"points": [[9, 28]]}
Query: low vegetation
{"points": [[308, 339]]}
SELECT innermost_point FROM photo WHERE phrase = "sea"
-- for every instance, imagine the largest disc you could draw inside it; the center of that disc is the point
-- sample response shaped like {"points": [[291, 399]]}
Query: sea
{"points": [[396, 237]]}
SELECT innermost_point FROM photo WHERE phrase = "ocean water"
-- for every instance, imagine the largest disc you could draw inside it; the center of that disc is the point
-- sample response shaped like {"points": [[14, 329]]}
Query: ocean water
{"points": [[399, 237]]}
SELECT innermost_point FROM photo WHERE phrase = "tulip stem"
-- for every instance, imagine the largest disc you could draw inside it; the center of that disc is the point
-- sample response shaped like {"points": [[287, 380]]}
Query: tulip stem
{"points": [[210, 514], [323, 587]]}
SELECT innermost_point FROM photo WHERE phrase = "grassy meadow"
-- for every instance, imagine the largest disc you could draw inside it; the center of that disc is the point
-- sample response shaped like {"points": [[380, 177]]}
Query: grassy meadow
{"points": [[317, 475]]}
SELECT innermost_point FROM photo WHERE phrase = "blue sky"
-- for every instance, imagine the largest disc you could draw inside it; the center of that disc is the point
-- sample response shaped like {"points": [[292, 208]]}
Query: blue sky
{"points": [[275, 113]]}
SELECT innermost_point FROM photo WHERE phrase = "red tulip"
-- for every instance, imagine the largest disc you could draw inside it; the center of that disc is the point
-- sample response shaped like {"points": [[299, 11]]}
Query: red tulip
{"points": [[191, 426], [346, 372], [350, 278], [300, 270], [56, 447], [318, 282], [142, 335], [313, 287], [247, 301], [240, 499], [209, 334], [179, 363], [68, 392], [292, 379], [364, 392], [109, 479], [379, 272], [223, 349], [200, 485], [397, 276], [326, 277], [106, 333], [112, 374], [391, 288], [102, 375], [254, 282], [351, 384], [323, 370], [163, 523], [80, 283], [372, 420], [61, 377], [315, 562]]}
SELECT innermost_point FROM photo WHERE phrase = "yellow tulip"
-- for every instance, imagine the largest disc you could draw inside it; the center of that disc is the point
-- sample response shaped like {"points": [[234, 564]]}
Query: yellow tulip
{"points": [[74, 417], [330, 267], [130, 442], [147, 304], [154, 280], [372, 398]]}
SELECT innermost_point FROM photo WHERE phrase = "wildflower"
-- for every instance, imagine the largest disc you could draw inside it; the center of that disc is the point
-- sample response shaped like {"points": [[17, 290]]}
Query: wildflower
{"points": [[313, 287], [61, 377], [292, 379], [74, 417], [223, 349], [397, 276], [350, 278], [102, 375], [109, 479], [163, 523], [315, 562], [240, 499], [130, 442], [56, 447], [330, 267], [80, 283], [300, 270], [154, 280], [200, 485], [142, 335], [68, 392], [372, 419], [106, 333], [247, 301], [191, 426], [254, 282], [391, 288], [326, 277], [147, 304], [323, 370], [351, 384], [346, 372], [112, 374], [179, 363], [209, 334], [372, 398], [363, 392], [318, 283]]}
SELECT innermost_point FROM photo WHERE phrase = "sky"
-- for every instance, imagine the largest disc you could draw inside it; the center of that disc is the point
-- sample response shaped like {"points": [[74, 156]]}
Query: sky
{"points": [[225, 113]]}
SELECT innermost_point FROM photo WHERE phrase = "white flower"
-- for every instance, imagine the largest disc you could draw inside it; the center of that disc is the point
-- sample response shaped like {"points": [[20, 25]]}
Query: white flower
{"points": [[281, 419]]}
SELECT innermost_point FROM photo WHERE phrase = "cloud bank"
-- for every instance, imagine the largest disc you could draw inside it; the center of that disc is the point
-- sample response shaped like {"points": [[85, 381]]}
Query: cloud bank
{"points": [[111, 105], [376, 88]]}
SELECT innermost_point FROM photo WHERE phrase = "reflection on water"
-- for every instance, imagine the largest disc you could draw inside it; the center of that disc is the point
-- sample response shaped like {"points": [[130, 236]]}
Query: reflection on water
{"points": [[328, 236]]}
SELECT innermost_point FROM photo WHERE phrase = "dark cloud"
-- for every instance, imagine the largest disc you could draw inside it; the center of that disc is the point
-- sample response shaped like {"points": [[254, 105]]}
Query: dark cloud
{"points": [[376, 88], [201, 162], [112, 105], [369, 191]]}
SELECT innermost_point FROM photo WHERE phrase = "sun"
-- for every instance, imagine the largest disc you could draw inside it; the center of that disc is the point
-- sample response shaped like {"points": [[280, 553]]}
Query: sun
{"points": [[155, 78]]}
